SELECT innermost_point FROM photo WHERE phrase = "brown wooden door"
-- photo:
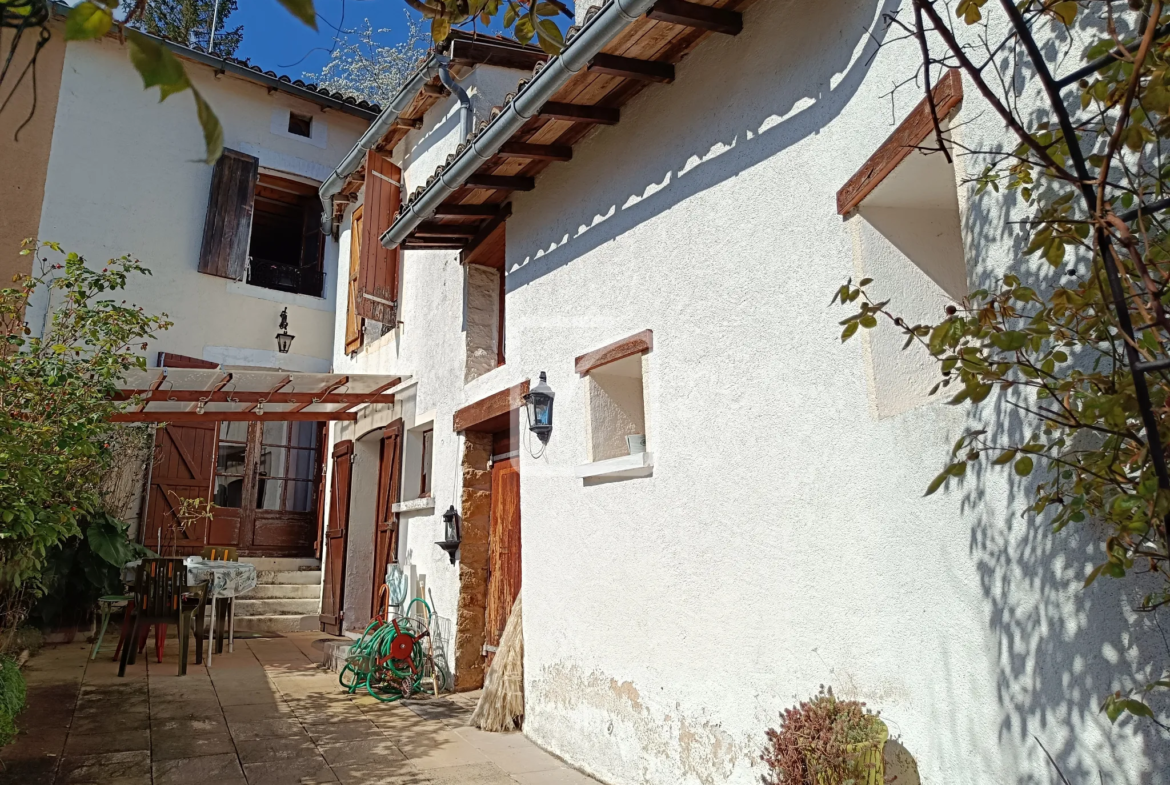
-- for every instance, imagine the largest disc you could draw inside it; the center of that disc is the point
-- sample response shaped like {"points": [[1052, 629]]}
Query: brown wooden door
{"points": [[184, 457], [389, 493], [503, 548], [336, 539]]}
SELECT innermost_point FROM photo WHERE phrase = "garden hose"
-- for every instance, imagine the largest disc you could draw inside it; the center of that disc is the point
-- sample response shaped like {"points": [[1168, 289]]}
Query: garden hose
{"points": [[390, 659]]}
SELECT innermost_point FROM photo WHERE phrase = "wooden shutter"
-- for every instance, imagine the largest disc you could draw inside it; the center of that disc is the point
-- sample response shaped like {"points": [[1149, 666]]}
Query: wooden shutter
{"points": [[389, 493], [353, 322], [184, 460], [228, 225], [378, 284], [336, 540]]}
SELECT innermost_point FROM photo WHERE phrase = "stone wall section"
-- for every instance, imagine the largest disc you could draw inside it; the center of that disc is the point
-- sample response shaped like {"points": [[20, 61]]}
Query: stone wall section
{"points": [[473, 561]]}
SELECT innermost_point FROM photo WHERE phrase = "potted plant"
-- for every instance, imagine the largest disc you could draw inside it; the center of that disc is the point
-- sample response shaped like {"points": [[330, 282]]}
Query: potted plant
{"points": [[826, 741]]}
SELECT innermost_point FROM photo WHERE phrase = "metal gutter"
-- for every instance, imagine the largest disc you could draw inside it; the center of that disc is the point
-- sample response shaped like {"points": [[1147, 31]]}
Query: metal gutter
{"points": [[354, 158], [613, 18]]}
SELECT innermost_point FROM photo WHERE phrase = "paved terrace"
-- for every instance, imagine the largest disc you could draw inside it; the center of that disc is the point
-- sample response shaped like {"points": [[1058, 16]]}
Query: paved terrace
{"points": [[264, 715]]}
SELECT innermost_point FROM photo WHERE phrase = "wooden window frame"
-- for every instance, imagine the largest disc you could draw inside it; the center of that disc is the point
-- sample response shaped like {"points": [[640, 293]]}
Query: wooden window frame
{"points": [[638, 343], [910, 133], [425, 457]]}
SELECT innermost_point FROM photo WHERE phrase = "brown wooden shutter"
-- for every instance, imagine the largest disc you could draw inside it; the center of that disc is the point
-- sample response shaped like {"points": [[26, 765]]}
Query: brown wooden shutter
{"points": [[228, 225], [353, 322], [378, 284], [389, 493], [336, 540]]}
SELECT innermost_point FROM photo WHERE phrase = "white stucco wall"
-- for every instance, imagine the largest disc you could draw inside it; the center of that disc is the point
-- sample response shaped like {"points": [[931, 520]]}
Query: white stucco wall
{"points": [[782, 541], [123, 179], [428, 346]]}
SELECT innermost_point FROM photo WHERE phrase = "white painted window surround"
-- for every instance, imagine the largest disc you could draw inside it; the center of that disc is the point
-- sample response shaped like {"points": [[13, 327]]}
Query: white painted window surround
{"points": [[424, 503], [319, 130], [637, 465], [616, 407]]}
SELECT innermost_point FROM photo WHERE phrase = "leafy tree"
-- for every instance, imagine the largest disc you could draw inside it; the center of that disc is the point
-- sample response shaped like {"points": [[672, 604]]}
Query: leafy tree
{"points": [[189, 22], [56, 398], [1077, 339], [371, 71]]}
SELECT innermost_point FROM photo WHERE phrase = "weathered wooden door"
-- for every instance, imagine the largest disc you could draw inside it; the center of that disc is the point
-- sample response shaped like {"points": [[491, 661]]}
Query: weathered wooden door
{"points": [[184, 458], [389, 493], [503, 548], [336, 539]]}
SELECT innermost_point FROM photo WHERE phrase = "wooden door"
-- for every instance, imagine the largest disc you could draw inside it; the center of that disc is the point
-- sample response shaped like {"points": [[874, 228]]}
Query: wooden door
{"points": [[184, 458], [503, 548], [336, 539], [389, 493]]}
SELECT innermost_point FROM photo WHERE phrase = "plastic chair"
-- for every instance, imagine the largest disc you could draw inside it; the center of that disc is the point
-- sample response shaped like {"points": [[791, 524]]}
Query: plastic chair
{"points": [[107, 603], [228, 609], [162, 596]]}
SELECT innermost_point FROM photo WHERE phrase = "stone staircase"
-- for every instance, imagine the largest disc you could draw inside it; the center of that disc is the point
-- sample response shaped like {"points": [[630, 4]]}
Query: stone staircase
{"points": [[286, 599]]}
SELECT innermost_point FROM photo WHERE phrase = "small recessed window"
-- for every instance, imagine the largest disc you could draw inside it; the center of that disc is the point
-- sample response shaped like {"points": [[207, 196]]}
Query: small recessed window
{"points": [[300, 124]]}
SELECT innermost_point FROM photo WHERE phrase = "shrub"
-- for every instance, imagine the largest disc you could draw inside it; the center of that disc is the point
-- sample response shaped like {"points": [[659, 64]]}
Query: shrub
{"points": [[825, 741], [11, 698]]}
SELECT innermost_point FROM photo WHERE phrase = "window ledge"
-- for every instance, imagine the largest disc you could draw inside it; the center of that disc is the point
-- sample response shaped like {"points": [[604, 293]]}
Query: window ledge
{"points": [[424, 503], [637, 465]]}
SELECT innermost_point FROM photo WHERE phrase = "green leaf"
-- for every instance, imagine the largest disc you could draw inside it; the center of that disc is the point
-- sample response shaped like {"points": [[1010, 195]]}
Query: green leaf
{"points": [[156, 64], [301, 9], [1024, 466], [212, 130], [1009, 341], [87, 21], [936, 483], [549, 36], [1065, 11], [868, 321], [547, 9], [107, 541], [524, 30], [440, 29], [1137, 708], [849, 330], [509, 16]]}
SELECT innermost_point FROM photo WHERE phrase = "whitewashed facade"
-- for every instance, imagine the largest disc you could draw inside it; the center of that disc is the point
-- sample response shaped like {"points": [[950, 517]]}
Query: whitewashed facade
{"points": [[776, 538]]}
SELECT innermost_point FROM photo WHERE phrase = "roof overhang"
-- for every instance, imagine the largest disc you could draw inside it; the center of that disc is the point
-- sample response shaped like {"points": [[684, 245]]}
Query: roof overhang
{"points": [[242, 394], [622, 48]]}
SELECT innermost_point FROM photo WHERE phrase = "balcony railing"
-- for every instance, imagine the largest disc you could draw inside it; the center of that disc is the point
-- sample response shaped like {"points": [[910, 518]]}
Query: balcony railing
{"points": [[286, 277]]}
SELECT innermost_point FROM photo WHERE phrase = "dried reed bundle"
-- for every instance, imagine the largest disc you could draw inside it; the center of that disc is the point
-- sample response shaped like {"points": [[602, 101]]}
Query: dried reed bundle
{"points": [[501, 707]]}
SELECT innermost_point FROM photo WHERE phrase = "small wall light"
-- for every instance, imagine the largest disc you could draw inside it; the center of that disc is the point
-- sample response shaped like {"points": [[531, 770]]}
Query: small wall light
{"points": [[283, 338], [539, 401], [452, 532]]}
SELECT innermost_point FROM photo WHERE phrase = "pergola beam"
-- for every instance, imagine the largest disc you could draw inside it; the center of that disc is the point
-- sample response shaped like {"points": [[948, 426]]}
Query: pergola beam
{"points": [[248, 416], [195, 396]]}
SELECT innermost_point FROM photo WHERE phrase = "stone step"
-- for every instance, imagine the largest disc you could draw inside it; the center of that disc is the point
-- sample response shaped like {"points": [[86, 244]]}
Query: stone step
{"points": [[245, 606], [289, 576], [271, 563], [308, 623], [284, 591]]}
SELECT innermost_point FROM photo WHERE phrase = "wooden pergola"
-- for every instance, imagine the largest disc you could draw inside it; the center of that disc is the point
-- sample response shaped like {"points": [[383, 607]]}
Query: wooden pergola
{"points": [[232, 394]]}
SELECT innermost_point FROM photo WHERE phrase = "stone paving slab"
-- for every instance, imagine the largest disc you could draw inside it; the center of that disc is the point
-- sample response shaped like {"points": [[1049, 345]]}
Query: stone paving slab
{"points": [[263, 715]]}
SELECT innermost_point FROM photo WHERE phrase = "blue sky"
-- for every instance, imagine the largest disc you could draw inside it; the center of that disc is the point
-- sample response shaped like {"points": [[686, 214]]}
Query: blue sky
{"points": [[275, 40]]}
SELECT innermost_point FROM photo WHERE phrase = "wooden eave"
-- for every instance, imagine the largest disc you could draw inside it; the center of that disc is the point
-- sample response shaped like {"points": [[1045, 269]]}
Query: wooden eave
{"points": [[649, 48], [466, 52]]}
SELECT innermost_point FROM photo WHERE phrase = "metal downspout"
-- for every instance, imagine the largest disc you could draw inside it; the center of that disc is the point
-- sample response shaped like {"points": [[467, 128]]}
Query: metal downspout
{"points": [[613, 18], [402, 99], [467, 119]]}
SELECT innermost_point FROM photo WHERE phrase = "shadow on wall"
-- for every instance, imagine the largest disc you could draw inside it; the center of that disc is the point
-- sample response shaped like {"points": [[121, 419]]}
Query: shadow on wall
{"points": [[1060, 649], [749, 127]]}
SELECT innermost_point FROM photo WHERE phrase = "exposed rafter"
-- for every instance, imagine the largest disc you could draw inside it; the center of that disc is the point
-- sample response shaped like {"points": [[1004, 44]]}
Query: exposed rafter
{"points": [[704, 17], [500, 182], [581, 113], [537, 152], [644, 70]]}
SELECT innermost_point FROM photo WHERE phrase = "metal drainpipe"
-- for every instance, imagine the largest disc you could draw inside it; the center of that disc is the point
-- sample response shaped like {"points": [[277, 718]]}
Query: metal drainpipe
{"points": [[466, 117], [402, 99]]}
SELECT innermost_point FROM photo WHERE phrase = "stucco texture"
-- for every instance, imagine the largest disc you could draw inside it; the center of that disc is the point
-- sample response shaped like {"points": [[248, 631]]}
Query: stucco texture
{"points": [[123, 178], [782, 540]]}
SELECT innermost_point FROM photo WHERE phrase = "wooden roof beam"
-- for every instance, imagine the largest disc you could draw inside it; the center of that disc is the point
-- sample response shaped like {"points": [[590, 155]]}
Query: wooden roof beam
{"points": [[432, 229], [467, 210], [704, 17], [434, 244], [642, 70], [536, 152], [407, 122], [580, 113], [500, 182], [208, 417]]}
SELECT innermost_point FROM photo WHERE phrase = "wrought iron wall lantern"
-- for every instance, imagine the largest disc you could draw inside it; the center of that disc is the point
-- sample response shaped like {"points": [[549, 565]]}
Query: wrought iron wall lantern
{"points": [[539, 402], [452, 532], [283, 338]]}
